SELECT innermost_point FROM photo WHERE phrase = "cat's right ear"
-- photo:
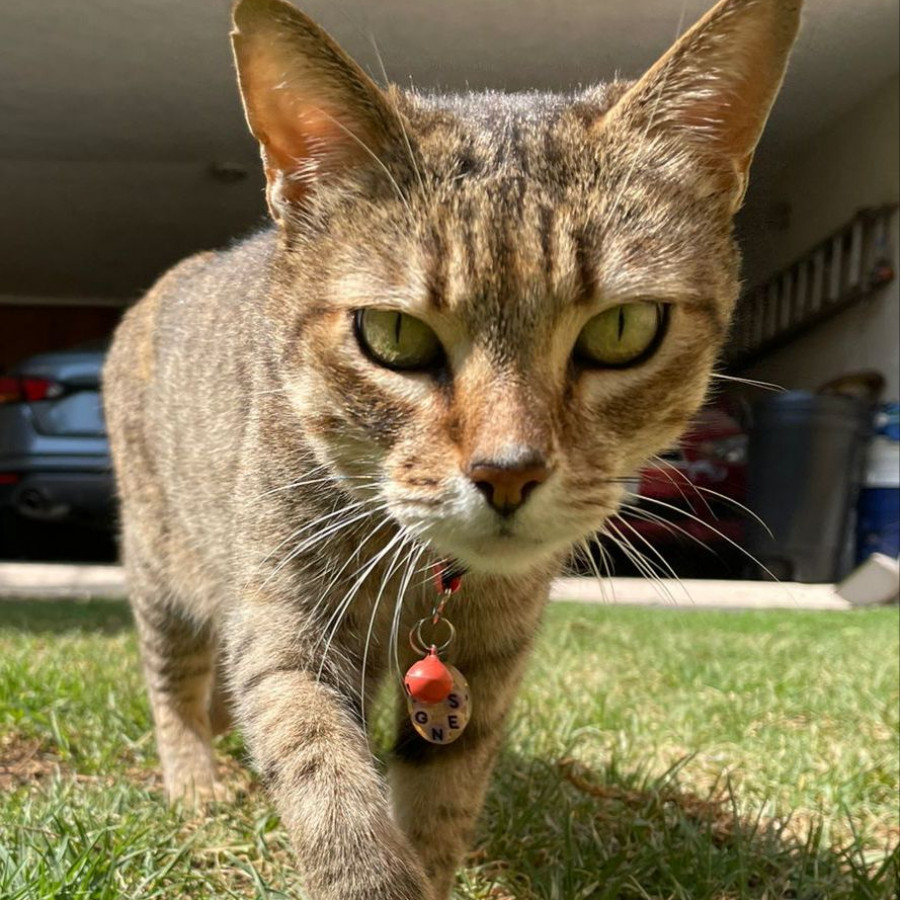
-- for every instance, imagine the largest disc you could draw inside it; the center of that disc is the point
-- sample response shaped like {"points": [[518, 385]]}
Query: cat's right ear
{"points": [[313, 110]]}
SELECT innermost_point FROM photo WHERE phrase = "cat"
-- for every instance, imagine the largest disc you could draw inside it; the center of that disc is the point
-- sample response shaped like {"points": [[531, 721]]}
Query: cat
{"points": [[472, 317]]}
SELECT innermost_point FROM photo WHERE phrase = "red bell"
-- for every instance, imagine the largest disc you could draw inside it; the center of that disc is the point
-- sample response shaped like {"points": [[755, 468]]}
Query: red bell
{"points": [[429, 680]]}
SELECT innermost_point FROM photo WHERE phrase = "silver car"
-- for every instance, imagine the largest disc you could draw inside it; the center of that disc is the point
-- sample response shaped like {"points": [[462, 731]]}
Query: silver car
{"points": [[54, 454]]}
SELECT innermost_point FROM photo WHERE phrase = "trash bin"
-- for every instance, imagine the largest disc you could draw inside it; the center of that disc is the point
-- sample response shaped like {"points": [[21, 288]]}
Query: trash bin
{"points": [[805, 462]]}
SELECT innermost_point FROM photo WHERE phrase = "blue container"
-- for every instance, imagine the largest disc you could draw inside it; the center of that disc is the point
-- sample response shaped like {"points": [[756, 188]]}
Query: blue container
{"points": [[878, 509], [887, 421], [878, 522]]}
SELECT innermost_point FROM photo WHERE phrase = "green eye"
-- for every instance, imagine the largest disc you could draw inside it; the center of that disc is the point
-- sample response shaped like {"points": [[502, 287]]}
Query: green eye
{"points": [[397, 341], [622, 336]]}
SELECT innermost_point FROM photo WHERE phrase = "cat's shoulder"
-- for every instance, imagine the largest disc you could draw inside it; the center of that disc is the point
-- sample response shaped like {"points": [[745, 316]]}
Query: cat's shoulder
{"points": [[196, 295], [234, 265]]}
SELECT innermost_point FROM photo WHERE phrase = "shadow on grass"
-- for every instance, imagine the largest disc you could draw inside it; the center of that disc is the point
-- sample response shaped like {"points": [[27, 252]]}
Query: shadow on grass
{"points": [[560, 831], [64, 615]]}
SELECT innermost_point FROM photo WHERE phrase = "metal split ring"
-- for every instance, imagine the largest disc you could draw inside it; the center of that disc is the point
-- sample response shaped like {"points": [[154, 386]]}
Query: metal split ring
{"points": [[415, 635]]}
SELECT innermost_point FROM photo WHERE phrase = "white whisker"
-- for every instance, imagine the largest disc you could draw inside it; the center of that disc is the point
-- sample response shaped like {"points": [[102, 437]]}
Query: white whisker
{"points": [[343, 605], [653, 518], [657, 462], [764, 385], [716, 531], [667, 568], [737, 505], [389, 574], [320, 536], [410, 563], [584, 548], [362, 144], [409, 149], [644, 565]]}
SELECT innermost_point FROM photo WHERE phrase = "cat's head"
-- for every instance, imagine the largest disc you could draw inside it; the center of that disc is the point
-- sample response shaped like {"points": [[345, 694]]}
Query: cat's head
{"points": [[490, 309]]}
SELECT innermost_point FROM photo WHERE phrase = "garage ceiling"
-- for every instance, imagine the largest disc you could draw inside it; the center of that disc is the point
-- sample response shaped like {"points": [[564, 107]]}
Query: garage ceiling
{"points": [[112, 111]]}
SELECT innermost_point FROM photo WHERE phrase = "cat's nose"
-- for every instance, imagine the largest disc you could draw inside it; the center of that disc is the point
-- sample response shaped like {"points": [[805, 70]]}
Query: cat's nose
{"points": [[507, 486]]}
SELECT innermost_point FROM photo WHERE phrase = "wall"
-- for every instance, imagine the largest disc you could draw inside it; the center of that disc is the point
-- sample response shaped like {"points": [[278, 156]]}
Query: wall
{"points": [[853, 163], [108, 229], [26, 329]]}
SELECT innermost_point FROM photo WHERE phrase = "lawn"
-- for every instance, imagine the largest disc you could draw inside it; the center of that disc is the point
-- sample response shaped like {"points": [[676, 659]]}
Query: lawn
{"points": [[653, 755]]}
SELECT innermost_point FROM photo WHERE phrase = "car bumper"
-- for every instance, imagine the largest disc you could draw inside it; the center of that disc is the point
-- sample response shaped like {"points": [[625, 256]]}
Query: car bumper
{"points": [[55, 496]]}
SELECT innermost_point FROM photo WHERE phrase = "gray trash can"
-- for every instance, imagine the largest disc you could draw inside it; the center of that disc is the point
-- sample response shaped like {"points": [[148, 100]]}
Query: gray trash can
{"points": [[805, 464]]}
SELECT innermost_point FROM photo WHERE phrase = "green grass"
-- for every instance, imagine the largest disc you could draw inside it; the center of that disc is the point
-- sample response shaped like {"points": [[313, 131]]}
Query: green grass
{"points": [[652, 755]]}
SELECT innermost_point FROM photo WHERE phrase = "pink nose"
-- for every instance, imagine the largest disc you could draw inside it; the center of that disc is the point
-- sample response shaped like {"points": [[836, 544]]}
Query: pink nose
{"points": [[507, 487]]}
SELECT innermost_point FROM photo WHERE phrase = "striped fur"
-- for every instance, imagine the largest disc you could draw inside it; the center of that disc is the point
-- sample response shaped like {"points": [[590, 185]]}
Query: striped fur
{"points": [[283, 495]]}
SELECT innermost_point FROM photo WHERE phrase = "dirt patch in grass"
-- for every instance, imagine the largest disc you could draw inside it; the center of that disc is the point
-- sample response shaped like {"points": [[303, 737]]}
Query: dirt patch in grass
{"points": [[716, 815], [24, 761], [714, 812], [27, 762]]}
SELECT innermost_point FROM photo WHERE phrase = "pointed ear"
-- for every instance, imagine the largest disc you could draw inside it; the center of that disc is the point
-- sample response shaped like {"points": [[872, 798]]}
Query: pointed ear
{"points": [[715, 87], [314, 111]]}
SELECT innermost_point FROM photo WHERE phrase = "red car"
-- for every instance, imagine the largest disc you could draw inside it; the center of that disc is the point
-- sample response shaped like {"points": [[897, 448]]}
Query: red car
{"points": [[687, 505]]}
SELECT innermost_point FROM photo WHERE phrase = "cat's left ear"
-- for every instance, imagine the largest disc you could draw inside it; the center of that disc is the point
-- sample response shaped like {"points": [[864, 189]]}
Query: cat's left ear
{"points": [[715, 87], [314, 111]]}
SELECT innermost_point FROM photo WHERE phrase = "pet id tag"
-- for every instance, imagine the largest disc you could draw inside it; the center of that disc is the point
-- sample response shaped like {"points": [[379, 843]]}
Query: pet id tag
{"points": [[437, 695], [439, 721]]}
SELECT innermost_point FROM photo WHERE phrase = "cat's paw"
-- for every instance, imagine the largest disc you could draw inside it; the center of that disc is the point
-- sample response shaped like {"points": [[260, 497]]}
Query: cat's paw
{"points": [[377, 878], [197, 791]]}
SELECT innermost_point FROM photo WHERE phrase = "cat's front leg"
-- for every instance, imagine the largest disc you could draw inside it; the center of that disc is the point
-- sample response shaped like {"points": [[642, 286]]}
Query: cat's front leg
{"points": [[305, 738]]}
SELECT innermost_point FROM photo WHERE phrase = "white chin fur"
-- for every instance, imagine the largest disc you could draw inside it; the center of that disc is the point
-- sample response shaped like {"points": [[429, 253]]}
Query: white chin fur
{"points": [[504, 556]]}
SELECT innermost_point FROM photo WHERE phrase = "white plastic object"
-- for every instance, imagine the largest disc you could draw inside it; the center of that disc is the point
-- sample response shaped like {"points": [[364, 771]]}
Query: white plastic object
{"points": [[876, 581], [883, 463]]}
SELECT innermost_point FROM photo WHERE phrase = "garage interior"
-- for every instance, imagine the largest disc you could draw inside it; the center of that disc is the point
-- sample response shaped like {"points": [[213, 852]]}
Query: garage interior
{"points": [[124, 146]]}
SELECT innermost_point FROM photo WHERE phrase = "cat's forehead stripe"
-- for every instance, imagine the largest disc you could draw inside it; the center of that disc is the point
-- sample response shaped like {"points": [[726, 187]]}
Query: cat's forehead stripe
{"points": [[436, 271], [585, 271]]}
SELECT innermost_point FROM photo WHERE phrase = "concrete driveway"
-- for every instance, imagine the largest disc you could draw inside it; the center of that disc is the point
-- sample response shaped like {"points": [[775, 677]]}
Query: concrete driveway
{"points": [[49, 581]]}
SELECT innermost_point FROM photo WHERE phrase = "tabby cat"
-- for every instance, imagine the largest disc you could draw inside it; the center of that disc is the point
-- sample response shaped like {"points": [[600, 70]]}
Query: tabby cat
{"points": [[472, 318]]}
